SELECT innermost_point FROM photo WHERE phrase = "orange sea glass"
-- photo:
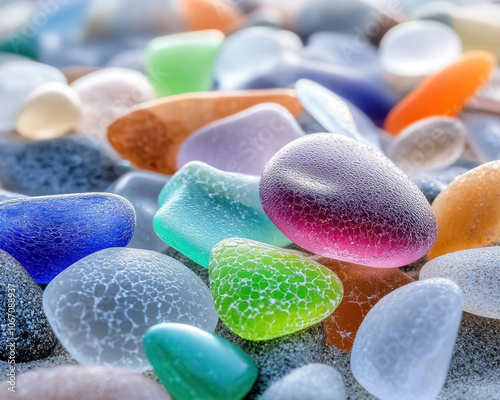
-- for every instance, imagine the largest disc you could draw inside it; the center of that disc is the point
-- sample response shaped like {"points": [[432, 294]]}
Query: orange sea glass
{"points": [[363, 288], [150, 134], [468, 211], [211, 14], [444, 93]]}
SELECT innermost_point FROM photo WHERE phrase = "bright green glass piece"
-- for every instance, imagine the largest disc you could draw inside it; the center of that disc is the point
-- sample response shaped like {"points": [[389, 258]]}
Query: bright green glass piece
{"points": [[196, 365], [182, 62], [201, 205], [262, 292]]}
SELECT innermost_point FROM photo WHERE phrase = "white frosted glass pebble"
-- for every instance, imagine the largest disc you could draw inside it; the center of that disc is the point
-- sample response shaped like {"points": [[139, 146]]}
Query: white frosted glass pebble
{"points": [[404, 345], [430, 143], [17, 80], [412, 50], [477, 272], [101, 306], [49, 111], [311, 382], [106, 95], [483, 130]]}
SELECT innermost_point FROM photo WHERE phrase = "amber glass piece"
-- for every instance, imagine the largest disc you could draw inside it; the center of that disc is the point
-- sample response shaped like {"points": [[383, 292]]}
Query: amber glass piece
{"points": [[150, 134], [363, 288], [211, 14]]}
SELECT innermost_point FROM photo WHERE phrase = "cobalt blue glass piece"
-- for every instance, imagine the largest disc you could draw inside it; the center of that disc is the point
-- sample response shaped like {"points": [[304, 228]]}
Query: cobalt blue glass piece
{"points": [[48, 234]]}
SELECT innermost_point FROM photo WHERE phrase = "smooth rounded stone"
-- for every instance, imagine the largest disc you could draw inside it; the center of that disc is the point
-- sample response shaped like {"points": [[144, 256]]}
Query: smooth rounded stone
{"points": [[484, 135], [413, 50], [328, 109], [477, 272], [142, 188], [405, 343], [50, 111], [25, 333], [311, 382], [150, 135], [363, 288], [101, 306], [48, 234], [183, 62], [218, 204], [443, 93], [7, 195], [468, 212], [84, 382], [70, 164], [197, 365], [250, 52], [430, 143], [433, 182], [344, 49], [243, 142], [339, 198], [17, 80], [106, 95], [262, 292], [211, 14]]}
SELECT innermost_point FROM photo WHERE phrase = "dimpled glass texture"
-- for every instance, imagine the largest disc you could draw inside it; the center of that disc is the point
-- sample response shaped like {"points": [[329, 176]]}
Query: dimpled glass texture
{"points": [[48, 234], [101, 306], [404, 345], [341, 199], [262, 292], [201, 205]]}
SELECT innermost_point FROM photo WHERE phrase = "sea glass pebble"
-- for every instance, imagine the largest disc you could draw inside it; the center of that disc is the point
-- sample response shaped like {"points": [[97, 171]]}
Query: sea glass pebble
{"points": [[413, 50], [84, 382], [142, 188], [198, 365], [430, 143], [102, 305], [183, 62], [468, 212], [70, 164], [48, 234], [477, 272], [404, 345], [310, 382], [150, 135], [25, 333], [363, 288], [218, 204], [7, 195], [262, 292], [443, 93], [211, 14], [17, 80], [48, 112], [342, 199], [77, 71], [243, 142], [106, 95], [484, 135]]}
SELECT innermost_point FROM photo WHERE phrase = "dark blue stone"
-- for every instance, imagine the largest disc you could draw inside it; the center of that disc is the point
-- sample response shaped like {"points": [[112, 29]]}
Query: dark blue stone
{"points": [[48, 234]]}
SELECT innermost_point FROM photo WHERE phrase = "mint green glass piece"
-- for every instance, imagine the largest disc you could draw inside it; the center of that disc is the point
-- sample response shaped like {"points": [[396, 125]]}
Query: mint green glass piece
{"points": [[183, 62], [262, 292], [201, 205], [196, 365]]}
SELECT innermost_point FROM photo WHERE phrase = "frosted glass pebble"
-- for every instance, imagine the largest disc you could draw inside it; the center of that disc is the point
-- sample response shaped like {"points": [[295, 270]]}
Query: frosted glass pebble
{"points": [[311, 382], [102, 305], [477, 272], [49, 111], [404, 345], [412, 50], [6, 195], [243, 142], [142, 188], [430, 143], [106, 95], [484, 135], [17, 80]]}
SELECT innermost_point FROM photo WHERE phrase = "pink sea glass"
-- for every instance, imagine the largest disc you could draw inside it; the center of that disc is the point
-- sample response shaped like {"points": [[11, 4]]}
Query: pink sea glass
{"points": [[339, 198]]}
